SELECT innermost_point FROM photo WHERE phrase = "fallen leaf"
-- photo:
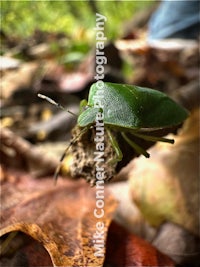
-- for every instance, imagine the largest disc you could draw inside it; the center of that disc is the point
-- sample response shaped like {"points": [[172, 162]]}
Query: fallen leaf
{"points": [[61, 217], [22, 250], [125, 249], [166, 187]]}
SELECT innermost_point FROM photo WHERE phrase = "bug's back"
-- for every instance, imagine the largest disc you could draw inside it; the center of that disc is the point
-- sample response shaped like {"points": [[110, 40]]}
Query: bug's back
{"points": [[129, 106]]}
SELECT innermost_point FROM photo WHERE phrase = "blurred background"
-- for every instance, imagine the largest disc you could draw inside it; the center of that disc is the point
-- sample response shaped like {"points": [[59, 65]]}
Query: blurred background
{"points": [[49, 47]]}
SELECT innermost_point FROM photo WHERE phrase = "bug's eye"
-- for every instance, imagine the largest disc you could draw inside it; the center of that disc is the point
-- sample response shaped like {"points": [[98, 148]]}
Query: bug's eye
{"points": [[86, 107]]}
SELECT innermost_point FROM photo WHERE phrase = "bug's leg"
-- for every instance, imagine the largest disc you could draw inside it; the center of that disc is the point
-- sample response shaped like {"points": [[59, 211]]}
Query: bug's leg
{"points": [[137, 148], [57, 171], [116, 147], [153, 138]]}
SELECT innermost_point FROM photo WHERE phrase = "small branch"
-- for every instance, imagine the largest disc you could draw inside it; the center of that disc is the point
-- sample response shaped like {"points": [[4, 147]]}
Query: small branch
{"points": [[39, 162]]}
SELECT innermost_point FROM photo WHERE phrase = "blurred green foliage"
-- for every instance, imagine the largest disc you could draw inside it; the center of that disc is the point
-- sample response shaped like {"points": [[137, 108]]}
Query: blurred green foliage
{"points": [[75, 18]]}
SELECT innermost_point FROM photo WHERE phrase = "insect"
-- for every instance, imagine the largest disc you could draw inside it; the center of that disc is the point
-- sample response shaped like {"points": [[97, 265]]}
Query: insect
{"points": [[130, 110]]}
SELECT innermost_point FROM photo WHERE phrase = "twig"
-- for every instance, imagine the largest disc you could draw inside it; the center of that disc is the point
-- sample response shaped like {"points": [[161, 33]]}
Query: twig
{"points": [[43, 164]]}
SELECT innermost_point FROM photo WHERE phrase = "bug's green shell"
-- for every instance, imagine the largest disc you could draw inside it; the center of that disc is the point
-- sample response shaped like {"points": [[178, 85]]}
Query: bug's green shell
{"points": [[129, 106]]}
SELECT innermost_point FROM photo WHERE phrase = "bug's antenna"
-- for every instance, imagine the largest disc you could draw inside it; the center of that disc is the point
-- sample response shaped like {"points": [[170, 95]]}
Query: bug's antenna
{"points": [[65, 152], [55, 103], [73, 140]]}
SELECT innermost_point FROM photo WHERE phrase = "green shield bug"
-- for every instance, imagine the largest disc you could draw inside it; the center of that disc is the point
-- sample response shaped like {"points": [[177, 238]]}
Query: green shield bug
{"points": [[129, 110]]}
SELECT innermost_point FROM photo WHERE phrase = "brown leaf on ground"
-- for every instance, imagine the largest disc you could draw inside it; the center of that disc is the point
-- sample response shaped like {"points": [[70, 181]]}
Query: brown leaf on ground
{"points": [[125, 249], [22, 250], [61, 217], [166, 187]]}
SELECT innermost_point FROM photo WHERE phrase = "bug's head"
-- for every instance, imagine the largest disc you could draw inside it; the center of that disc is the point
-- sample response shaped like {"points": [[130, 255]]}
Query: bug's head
{"points": [[88, 116]]}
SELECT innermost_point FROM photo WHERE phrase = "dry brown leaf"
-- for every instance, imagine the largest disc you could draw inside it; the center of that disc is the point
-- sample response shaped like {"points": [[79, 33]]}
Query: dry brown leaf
{"points": [[60, 217], [22, 250], [166, 187], [125, 249]]}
